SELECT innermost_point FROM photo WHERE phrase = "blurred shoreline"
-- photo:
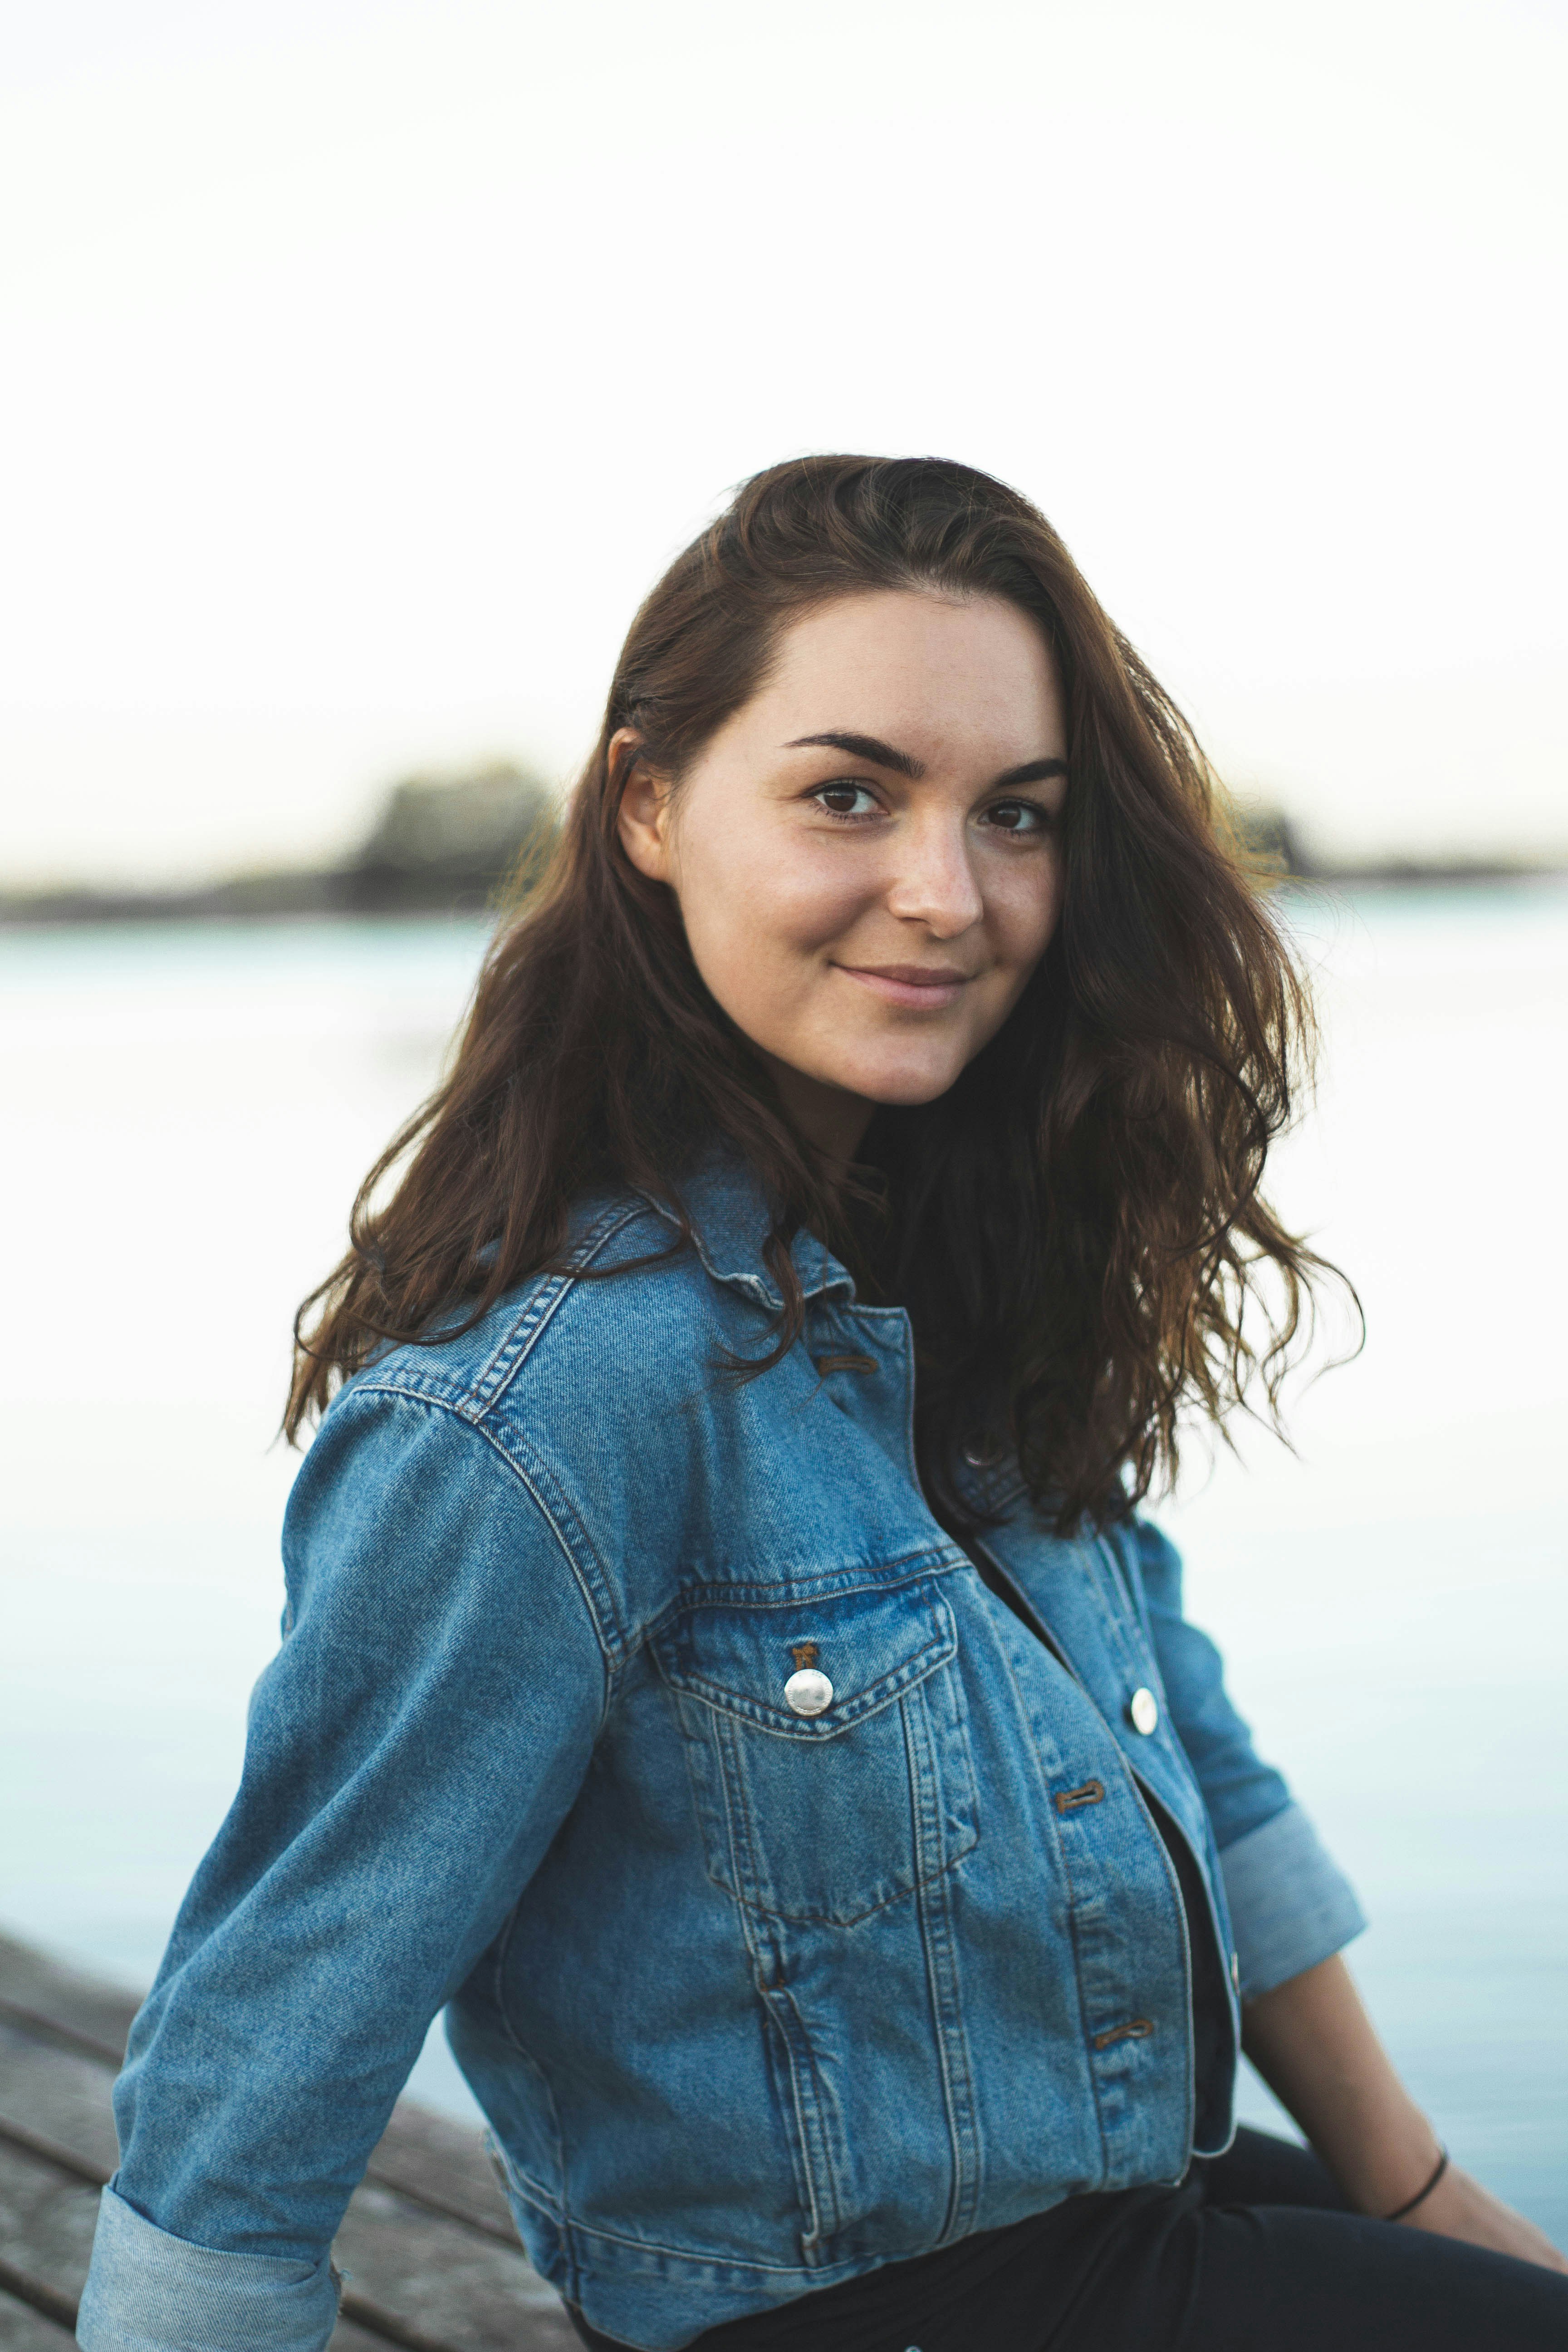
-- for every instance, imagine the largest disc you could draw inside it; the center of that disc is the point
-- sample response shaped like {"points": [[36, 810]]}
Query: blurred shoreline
{"points": [[455, 845], [439, 846]]}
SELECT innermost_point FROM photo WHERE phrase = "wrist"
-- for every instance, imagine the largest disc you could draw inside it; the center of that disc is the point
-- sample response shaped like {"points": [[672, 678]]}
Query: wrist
{"points": [[1392, 2170], [1413, 2204]]}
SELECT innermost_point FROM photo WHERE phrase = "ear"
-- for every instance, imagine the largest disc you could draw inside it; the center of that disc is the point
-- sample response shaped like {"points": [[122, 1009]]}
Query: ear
{"points": [[642, 819]]}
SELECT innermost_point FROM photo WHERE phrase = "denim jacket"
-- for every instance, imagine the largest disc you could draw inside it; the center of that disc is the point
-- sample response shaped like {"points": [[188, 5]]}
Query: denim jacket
{"points": [[795, 1905]]}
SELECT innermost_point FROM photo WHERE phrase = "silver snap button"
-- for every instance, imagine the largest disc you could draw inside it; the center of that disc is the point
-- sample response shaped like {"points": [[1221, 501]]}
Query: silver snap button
{"points": [[808, 1692], [1144, 1709]]}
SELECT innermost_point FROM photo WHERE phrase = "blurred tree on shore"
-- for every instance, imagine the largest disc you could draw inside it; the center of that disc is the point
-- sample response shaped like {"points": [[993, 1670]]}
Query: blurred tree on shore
{"points": [[450, 843], [439, 846]]}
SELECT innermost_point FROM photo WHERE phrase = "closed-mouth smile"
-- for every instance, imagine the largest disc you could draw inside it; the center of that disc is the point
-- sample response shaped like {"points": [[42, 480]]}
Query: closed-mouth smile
{"points": [[927, 988]]}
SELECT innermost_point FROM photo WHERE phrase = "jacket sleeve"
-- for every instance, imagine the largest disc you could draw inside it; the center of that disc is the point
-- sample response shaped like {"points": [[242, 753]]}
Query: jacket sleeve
{"points": [[1290, 1905], [411, 1752]]}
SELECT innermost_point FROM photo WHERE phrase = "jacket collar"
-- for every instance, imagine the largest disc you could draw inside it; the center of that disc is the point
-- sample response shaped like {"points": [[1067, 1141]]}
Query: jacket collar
{"points": [[731, 1220]]}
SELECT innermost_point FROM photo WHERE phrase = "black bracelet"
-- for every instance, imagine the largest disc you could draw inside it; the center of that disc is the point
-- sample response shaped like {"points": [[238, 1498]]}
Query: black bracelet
{"points": [[1422, 2194]]}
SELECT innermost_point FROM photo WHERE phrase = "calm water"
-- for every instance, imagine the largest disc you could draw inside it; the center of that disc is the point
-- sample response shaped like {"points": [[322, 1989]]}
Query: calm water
{"points": [[191, 1110]]}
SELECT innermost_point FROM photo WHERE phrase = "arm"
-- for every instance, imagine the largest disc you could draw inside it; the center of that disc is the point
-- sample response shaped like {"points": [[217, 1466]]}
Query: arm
{"points": [[1314, 2045], [411, 1752]]}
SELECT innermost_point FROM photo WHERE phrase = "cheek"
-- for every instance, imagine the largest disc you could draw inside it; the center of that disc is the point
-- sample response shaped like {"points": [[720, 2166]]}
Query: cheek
{"points": [[1022, 907], [759, 902]]}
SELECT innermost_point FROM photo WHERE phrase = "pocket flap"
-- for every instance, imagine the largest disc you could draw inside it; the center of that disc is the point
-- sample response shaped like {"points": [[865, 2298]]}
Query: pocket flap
{"points": [[871, 1645]]}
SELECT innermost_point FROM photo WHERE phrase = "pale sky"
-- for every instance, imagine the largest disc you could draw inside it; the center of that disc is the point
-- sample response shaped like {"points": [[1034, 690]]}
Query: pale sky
{"points": [[363, 365]]}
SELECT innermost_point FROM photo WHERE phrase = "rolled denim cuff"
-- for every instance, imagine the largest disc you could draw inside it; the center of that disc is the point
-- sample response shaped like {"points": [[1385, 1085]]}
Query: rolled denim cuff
{"points": [[1290, 1905], [148, 2292]]}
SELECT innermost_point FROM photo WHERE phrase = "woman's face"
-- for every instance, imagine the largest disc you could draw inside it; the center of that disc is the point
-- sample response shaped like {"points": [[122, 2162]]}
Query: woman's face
{"points": [[867, 855]]}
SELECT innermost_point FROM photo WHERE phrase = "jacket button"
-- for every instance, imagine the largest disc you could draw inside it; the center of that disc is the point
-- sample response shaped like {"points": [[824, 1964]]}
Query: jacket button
{"points": [[809, 1692], [1144, 1709]]}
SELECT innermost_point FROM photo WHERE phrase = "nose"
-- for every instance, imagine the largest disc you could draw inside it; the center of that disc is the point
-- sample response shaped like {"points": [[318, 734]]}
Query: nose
{"points": [[933, 881]]}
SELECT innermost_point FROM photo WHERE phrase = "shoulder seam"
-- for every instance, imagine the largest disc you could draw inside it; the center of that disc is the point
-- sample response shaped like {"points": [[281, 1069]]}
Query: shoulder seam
{"points": [[511, 1351], [586, 1571], [531, 1472]]}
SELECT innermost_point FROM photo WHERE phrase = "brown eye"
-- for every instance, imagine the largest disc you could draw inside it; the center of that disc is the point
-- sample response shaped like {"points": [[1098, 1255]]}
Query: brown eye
{"points": [[1019, 817], [840, 800]]}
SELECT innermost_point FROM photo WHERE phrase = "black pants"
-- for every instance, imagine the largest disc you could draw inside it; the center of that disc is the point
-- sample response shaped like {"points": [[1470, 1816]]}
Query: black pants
{"points": [[1255, 2252]]}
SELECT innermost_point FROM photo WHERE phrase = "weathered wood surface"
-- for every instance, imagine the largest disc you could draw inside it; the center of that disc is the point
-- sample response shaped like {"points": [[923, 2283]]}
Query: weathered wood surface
{"points": [[23, 2330], [428, 2243]]}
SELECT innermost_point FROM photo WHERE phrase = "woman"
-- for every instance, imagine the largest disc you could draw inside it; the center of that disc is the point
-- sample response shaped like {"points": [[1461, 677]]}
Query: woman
{"points": [[723, 1660]]}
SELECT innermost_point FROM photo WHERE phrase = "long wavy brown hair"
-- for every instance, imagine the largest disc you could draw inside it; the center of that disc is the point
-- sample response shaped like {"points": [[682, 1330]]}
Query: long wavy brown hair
{"points": [[1076, 1227]]}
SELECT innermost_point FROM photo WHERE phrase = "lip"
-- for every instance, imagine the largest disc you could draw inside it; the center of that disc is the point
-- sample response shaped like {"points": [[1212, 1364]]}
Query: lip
{"points": [[928, 988]]}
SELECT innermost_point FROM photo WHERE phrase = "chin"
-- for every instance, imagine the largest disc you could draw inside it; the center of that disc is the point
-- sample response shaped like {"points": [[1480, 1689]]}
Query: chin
{"points": [[902, 1089]]}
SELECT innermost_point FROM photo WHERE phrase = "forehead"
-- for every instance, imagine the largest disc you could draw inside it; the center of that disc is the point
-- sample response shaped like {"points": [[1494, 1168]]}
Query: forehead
{"points": [[900, 663]]}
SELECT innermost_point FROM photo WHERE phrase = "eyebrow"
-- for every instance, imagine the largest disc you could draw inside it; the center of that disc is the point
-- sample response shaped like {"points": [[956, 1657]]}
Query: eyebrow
{"points": [[861, 747], [1032, 772], [903, 763]]}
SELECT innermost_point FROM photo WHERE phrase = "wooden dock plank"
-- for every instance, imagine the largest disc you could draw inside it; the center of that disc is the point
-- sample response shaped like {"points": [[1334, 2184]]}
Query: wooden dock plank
{"points": [[24, 2330], [427, 2246], [442, 2164], [58, 2095], [65, 1997], [47, 2222], [473, 2294], [51, 2086]]}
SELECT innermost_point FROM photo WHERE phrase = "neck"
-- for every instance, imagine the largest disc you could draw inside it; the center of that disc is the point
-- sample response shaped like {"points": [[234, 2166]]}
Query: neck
{"points": [[828, 1116]]}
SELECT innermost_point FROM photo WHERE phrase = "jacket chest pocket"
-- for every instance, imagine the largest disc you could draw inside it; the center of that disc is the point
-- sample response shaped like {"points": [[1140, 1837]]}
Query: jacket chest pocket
{"points": [[827, 1815]]}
